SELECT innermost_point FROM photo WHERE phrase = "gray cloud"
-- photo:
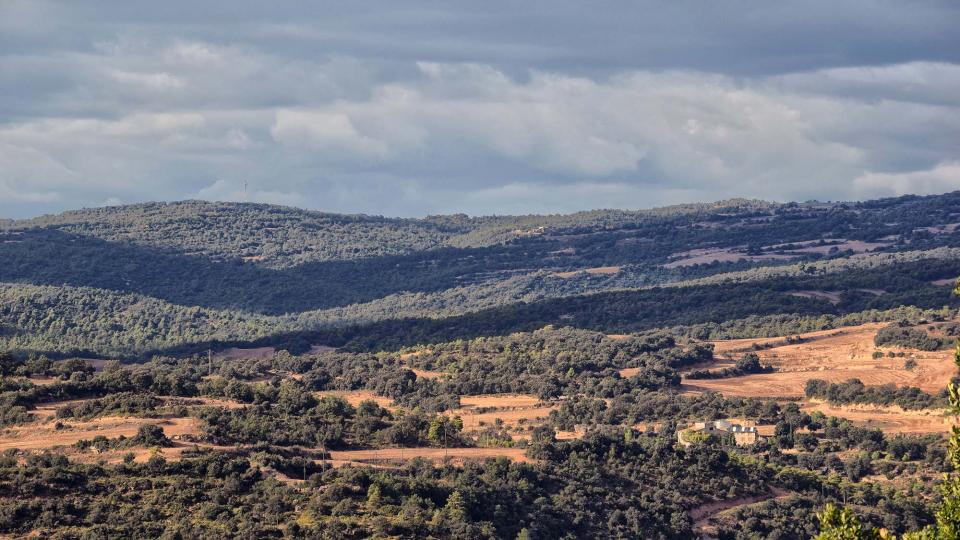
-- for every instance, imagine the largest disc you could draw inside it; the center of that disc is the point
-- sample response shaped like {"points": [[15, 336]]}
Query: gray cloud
{"points": [[484, 109]]}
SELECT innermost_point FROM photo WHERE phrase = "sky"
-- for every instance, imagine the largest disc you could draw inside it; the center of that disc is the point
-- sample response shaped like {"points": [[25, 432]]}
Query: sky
{"points": [[416, 108]]}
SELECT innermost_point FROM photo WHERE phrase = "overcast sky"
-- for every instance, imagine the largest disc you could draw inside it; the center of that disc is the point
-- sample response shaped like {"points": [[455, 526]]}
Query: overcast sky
{"points": [[415, 108]]}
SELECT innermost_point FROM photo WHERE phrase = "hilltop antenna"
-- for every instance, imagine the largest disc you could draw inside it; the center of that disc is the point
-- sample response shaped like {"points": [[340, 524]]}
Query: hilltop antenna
{"points": [[245, 191]]}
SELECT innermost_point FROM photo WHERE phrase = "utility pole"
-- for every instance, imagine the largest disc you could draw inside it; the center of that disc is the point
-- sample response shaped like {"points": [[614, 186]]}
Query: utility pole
{"points": [[209, 362]]}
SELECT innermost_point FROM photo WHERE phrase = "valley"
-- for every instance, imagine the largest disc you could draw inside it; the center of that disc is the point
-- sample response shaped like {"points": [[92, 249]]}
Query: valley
{"points": [[696, 369]]}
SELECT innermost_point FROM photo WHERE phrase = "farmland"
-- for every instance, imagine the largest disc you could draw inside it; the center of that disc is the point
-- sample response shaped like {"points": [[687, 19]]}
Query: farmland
{"points": [[831, 355]]}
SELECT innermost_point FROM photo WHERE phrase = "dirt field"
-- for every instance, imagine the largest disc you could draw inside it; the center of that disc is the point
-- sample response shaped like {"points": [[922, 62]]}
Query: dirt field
{"points": [[511, 418], [857, 246], [889, 419], [35, 437], [37, 381], [499, 400], [949, 228], [570, 435], [356, 397], [424, 374], [626, 373], [709, 255], [724, 346], [409, 355], [212, 402], [517, 411], [432, 454], [947, 282], [43, 381], [600, 270], [734, 254], [321, 349], [43, 434], [831, 355]]}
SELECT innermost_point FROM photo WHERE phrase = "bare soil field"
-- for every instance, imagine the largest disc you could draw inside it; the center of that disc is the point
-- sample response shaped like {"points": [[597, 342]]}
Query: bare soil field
{"points": [[499, 400], [600, 270], [832, 355], [948, 228], [142, 455], [432, 454], [169, 401], [33, 437], [43, 381], [724, 346], [570, 435], [947, 282], [512, 418], [356, 397], [409, 355], [321, 349], [709, 255], [889, 419], [517, 411], [37, 381], [734, 254], [626, 373], [424, 374], [857, 246]]}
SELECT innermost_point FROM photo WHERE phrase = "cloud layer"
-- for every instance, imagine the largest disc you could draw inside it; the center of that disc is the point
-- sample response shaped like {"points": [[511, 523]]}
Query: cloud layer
{"points": [[490, 111]]}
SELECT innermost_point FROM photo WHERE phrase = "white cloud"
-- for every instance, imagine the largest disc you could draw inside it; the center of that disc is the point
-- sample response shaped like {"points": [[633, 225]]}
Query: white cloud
{"points": [[151, 81], [942, 178], [922, 82], [195, 53], [689, 128], [234, 191], [331, 132], [31, 176], [147, 119], [135, 125]]}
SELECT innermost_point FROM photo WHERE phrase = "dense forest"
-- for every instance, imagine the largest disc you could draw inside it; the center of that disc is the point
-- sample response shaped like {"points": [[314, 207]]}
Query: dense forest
{"points": [[220, 370], [165, 275], [266, 460]]}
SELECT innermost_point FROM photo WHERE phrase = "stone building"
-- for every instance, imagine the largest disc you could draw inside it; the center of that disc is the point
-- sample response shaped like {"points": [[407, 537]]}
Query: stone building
{"points": [[744, 433]]}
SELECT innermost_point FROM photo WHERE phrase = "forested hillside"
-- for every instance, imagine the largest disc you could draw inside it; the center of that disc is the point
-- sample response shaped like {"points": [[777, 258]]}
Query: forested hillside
{"points": [[727, 370], [258, 270]]}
